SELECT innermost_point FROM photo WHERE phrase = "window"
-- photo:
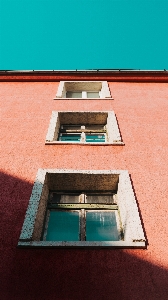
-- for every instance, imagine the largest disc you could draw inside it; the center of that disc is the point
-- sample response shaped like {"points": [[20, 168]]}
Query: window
{"points": [[83, 89], [82, 94], [72, 208], [82, 216], [88, 133], [84, 128]]}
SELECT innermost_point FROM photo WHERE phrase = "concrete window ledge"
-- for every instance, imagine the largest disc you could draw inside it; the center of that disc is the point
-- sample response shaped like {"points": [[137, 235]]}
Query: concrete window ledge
{"points": [[84, 144], [32, 233], [113, 244]]}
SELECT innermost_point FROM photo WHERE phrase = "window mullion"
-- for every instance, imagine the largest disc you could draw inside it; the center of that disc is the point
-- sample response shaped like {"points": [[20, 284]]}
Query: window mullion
{"points": [[83, 138], [84, 94], [82, 225]]}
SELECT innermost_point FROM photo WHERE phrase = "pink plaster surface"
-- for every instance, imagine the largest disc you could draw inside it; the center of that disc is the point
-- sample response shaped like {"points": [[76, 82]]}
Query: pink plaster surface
{"points": [[142, 113]]}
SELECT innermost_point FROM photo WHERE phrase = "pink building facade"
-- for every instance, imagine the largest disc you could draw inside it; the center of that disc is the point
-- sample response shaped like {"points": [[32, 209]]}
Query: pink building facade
{"points": [[139, 101]]}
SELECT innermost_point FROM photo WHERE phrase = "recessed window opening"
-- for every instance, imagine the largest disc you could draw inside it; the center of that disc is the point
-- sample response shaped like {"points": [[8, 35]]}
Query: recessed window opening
{"points": [[82, 208], [82, 216], [83, 127], [83, 89]]}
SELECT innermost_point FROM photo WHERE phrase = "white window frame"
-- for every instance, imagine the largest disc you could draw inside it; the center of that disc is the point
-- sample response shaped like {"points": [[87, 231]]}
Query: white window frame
{"points": [[49, 179], [84, 95], [84, 86], [112, 131]]}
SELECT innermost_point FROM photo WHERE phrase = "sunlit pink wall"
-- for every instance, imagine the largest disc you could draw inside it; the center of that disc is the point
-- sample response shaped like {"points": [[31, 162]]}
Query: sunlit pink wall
{"points": [[142, 113]]}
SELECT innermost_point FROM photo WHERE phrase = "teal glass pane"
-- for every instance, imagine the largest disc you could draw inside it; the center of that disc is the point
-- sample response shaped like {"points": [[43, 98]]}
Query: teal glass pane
{"points": [[101, 226], [70, 137], [74, 95], [63, 226], [97, 138], [93, 95]]}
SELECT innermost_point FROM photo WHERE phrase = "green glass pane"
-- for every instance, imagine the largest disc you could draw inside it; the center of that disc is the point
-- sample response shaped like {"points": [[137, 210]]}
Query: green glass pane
{"points": [[70, 137], [74, 95], [93, 95], [101, 226], [63, 226], [99, 138]]}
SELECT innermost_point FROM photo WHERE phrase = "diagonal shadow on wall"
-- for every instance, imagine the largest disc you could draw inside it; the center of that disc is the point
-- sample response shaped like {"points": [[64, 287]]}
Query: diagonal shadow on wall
{"points": [[69, 274]]}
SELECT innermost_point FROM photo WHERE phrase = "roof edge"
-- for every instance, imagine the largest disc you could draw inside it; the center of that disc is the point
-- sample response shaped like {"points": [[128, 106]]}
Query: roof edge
{"points": [[85, 75]]}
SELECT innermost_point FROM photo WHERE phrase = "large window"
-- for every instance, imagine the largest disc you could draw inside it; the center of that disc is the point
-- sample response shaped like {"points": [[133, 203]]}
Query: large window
{"points": [[72, 208], [84, 128], [82, 216]]}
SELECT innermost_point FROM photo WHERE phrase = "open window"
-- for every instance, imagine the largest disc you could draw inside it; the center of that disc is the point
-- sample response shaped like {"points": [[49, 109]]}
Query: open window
{"points": [[84, 128], [72, 208], [83, 89]]}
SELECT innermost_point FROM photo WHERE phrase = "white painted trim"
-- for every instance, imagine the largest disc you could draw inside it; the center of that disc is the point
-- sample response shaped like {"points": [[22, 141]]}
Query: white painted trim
{"points": [[54, 122]]}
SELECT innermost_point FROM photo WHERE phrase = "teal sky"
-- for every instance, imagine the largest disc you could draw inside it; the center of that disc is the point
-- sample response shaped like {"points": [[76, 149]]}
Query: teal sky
{"points": [[83, 34]]}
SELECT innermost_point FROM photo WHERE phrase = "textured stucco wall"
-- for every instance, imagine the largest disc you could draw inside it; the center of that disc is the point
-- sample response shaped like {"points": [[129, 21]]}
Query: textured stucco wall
{"points": [[141, 110]]}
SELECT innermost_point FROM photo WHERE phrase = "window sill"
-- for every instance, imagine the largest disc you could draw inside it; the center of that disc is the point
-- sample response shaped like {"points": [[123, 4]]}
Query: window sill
{"points": [[108, 244], [83, 98], [85, 144]]}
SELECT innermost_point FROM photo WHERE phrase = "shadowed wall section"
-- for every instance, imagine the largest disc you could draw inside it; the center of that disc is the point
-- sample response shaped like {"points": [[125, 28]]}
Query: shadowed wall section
{"points": [[70, 273]]}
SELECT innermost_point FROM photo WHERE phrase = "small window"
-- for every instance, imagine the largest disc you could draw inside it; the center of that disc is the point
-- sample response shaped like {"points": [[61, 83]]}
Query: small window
{"points": [[95, 138], [88, 133], [93, 95], [101, 226], [83, 89], [83, 128], [73, 94], [82, 94], [68, 137], [62, 225]]}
